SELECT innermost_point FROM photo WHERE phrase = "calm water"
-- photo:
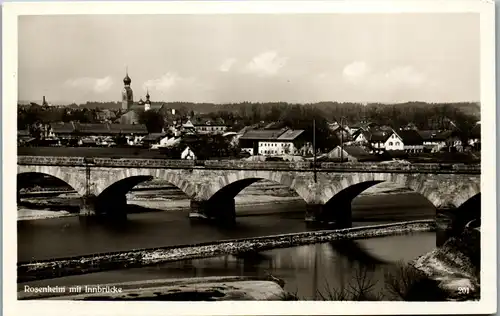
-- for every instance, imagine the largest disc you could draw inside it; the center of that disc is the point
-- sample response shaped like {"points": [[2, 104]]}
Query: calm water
{"points": [[306, 269]]}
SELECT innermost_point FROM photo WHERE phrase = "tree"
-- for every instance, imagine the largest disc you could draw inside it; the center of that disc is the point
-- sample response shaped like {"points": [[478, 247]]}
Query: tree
{"points": [[153, 120]]}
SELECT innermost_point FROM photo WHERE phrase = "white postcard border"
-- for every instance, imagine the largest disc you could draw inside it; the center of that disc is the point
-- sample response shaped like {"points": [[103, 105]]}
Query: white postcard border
{"points": [[487, 304]]}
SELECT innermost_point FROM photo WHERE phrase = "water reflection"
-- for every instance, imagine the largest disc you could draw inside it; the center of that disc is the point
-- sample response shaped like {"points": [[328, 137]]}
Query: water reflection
{"points": [[309, 271]]}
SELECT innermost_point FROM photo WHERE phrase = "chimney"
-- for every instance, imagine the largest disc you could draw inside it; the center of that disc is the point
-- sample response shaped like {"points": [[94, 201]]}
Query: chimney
{"points": [[43, 102]]}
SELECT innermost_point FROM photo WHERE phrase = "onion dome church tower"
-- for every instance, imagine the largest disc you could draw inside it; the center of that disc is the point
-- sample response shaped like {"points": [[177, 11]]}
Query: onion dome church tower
{"points": [[147, 103], [127, 94]]}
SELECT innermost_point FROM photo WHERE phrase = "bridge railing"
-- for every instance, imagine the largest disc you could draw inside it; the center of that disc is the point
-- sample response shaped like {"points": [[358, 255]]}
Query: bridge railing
{"points": [[250, 165]]}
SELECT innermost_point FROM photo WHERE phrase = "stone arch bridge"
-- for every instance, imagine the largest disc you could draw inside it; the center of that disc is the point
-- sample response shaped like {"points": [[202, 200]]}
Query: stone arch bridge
{"points": [[327, 189]]}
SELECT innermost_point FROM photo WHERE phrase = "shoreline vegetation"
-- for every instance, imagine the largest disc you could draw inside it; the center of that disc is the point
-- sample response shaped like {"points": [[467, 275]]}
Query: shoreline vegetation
{"points": [[31, 271]]}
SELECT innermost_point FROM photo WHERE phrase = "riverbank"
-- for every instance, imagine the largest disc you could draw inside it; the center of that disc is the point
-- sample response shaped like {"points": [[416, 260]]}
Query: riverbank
{"points": [[31, 271], [455, 266], [188, 289], [156, 196]]}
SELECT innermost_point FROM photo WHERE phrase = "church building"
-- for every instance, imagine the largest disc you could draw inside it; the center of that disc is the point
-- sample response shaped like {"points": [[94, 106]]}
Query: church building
{"points": [[131, 110], [127, 94]]}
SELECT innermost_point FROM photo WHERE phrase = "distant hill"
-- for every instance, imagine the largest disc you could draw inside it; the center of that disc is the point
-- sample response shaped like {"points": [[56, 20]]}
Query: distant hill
{"points": [[470, 108]]}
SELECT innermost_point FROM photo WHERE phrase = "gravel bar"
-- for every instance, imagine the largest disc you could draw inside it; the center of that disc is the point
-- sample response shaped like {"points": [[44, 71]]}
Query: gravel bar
{"points": [[47, 269]]}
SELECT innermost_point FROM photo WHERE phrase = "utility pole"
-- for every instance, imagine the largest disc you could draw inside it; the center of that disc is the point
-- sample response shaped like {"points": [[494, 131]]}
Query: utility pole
{"points": [[314, 151], [341, 142]]}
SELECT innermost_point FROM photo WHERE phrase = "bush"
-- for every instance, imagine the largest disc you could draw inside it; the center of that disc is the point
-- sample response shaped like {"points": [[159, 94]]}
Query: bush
{"points": [[406, 283]]}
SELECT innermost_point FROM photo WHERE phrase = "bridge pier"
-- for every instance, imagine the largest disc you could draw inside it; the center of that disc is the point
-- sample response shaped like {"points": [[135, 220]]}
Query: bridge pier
{"points": [[88, 206], [221, 211], [451, 222]]}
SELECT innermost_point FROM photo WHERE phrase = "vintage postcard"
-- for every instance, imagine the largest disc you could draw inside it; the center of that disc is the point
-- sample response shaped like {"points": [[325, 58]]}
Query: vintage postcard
{"points": [[228, 158]]}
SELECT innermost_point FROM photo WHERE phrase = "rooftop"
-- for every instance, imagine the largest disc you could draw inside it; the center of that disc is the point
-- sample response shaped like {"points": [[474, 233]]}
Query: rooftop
{"points": [[410, 137], [259, 134], [291, 134]]}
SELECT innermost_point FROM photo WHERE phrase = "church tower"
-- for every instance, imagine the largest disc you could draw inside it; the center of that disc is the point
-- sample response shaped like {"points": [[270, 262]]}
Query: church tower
{"points": [[127, 94], [147, 103]]}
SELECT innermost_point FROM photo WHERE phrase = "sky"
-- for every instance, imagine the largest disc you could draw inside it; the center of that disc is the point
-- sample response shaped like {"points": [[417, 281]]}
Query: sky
{"points": [[297, 58]]}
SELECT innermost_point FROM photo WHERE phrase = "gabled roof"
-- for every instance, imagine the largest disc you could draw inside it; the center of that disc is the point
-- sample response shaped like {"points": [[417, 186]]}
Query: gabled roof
{"points": [[427, 135], [92, 128], [366, 134], [356, 151], [128, 128], [259, 134], [207, 122], [380, 136], [291, 134], [154, 136], [63, 128], [410, 137], [446, 134]]}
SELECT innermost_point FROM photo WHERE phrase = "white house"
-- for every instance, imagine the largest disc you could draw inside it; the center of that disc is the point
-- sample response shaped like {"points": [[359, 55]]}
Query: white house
{"points": [[361, 136], [379, 140], [188, 154], [286, 143], [394, 142]]}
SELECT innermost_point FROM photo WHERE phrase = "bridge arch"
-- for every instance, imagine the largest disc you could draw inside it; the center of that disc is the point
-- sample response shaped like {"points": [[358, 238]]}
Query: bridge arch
{"points": [[442, 193], [72, 179], [123, 180], [111, 188], [229, 185]]}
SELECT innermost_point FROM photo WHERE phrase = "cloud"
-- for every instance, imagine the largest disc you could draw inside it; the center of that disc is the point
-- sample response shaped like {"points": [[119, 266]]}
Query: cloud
{"points": [[359, 73], [174, 87], [227, 64], [405, 75], [166, 82], [355, 72], [266, 64], [98, 85]]}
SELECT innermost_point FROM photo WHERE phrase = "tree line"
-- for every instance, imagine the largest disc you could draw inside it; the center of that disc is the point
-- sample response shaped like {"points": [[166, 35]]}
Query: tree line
{"points": [[296, 116]]}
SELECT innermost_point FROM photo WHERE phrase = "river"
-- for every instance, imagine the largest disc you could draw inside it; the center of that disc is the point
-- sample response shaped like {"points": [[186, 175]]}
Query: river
{"points": [[307, 270]]}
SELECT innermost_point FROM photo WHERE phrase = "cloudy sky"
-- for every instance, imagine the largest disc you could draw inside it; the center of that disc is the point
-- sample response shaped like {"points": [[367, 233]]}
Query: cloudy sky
{"points": [[233, 58]]}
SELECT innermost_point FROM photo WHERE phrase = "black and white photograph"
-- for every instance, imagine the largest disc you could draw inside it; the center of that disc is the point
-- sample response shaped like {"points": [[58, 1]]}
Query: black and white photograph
{"points": [[250, 152]]}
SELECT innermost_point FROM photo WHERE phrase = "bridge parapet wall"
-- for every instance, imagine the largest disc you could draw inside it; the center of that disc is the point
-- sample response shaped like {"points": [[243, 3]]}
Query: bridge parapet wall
{"points": [[251, 165], [144, 163], [50, 161]]}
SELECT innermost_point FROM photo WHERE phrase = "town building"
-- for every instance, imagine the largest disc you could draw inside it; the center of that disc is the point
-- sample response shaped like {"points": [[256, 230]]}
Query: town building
{"points": [[412, 141], [130, 109], [272, 142], [448, 140], [105, 115], [341, 132], [350, 153], [206, 126], [97, 132], [188, 154], [475, 136], [381, 140]]}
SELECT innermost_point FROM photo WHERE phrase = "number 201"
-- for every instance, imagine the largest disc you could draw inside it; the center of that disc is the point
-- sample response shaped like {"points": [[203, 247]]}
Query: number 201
{"points": [[463, 290]]}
